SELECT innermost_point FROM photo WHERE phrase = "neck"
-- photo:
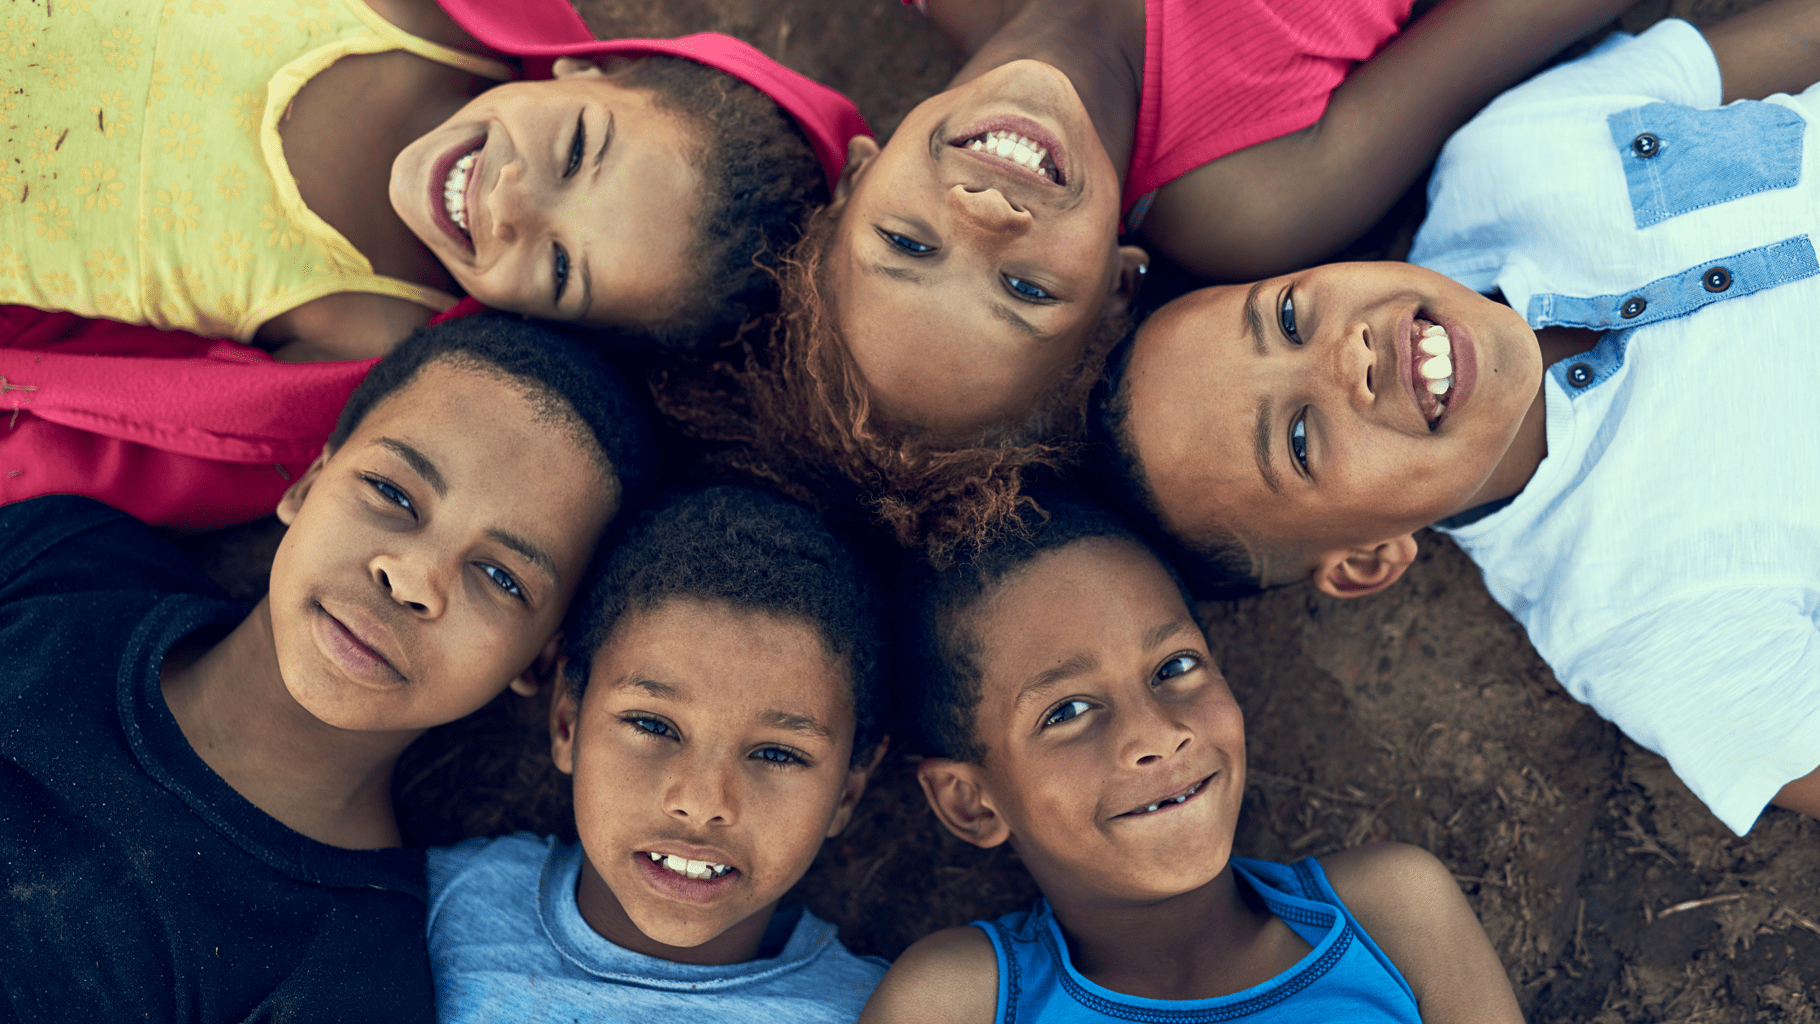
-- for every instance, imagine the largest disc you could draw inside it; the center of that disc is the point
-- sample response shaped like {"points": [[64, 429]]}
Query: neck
{"points": [[1211, 941], [230, 700], [1098, 44], [607, 916], [1530, 447]]}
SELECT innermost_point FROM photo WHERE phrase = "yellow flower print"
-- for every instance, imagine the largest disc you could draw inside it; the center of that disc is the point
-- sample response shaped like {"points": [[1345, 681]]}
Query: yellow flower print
{"points": [[107, 265], [73, 6], [230, 183], [282, 234], [42, 147], [7, 180], [12, 262], [7, 103], [53, 220], [159, 80], [101, 187], [249, 109], [121, 49], [60, 69], [112, 305], [201, 74], [177, 207], [235, 249], [182, 138], [17, 37], [207, 8], [57, 282], [262, 35], [313, 16], [191, 282], [111, 117]]}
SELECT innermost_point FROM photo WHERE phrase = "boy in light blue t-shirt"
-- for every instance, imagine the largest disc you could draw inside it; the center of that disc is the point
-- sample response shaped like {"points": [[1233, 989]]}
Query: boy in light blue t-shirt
{"points": [[719, 711]]}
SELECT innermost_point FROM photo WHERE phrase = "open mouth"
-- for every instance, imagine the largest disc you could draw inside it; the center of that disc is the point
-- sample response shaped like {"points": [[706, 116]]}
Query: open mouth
{"points": [[700, 870], [1167, 802], [1431, 355], [455, 190], [1021, 150]]}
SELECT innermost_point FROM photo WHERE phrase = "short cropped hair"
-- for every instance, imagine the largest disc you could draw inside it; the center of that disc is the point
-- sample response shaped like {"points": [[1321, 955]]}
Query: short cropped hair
{"points": [[568, 382], [757, 552], [939, 659], [760, 181], [1217, 565]]}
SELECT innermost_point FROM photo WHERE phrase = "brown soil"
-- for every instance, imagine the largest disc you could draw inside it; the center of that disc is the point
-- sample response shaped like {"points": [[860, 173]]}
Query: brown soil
{"points": [[1422, 715]]}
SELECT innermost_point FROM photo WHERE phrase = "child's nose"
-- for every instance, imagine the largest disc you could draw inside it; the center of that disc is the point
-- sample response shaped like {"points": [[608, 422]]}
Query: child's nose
{"points": [[511, 204], [1353, 364], [410, 581], [1153, 734], [701, 795], [987, 210]]}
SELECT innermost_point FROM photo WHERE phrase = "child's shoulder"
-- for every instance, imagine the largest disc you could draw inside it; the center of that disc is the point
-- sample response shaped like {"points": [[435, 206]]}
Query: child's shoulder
{"points": [[951, 975], [503, 863]]}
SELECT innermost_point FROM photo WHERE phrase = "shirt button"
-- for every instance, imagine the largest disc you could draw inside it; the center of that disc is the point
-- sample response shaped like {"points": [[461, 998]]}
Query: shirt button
{"points": [[1579, 375], [1717, 279], [1633, 307], [1646, 145]]}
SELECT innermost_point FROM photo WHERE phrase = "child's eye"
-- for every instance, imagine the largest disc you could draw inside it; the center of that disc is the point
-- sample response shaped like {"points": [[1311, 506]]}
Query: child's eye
{"points": [[503, 580], [559, 271], [578, 145], [1066, 711], [651, 726], [905, 243], [1025, 290], [1286, 316], [1298, 440], [392, 493], [1180, 665], [777, 756]]}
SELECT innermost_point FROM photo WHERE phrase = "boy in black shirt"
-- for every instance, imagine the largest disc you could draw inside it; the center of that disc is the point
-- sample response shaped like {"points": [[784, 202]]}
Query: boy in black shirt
{"points": [[195, 816]]}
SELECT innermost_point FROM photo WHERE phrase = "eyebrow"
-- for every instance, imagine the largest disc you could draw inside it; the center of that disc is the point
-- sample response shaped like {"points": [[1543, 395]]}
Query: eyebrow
{"points": [[586, 266], [419, 463], [896, 273], [796, 723], [1254, 320], [1169, 629], [538, 557], [1263, 447], [1049, 678], [650, 686], [1007, 314]]}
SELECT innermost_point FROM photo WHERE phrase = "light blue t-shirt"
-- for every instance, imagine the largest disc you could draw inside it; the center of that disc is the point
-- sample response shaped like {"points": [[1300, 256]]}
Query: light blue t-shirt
{"points": [[508, 943], [1665, 556]]}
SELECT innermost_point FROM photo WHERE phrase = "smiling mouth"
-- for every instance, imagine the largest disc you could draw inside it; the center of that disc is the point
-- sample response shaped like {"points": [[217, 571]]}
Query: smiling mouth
{"points": [[1168, 802], [455, 190], [701, 870], [1432, 356]]}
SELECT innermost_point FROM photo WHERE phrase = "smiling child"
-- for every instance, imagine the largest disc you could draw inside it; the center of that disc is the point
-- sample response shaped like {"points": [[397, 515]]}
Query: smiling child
{"points": [[719, 711], [195, 800], [1621, 448], [1078, 716], [326, 177]]}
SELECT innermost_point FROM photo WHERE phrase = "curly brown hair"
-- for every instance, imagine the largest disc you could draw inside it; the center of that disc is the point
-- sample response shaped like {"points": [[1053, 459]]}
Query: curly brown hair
{"points": [[801, 417]]}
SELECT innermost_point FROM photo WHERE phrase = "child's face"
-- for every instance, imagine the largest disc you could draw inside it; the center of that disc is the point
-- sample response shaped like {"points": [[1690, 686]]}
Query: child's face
{"points": [[1099, 701], [711, 734], [429, 559], [1292, 412], [570, 207], [968, 285]]}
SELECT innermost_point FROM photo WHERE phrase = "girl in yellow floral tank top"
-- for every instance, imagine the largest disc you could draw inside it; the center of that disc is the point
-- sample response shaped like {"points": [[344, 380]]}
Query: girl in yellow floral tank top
{"points": [[309, 172]]}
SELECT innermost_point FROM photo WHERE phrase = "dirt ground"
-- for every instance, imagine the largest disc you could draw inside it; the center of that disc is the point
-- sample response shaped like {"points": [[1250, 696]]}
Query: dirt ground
{"points": [[1421, 715]]}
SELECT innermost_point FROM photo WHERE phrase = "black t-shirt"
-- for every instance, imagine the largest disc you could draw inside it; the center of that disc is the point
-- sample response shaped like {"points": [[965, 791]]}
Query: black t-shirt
{"points": [[136, 884]]}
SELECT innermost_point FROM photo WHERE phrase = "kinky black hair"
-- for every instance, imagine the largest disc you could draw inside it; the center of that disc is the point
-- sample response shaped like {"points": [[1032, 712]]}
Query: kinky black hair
{"points": [[569, 382], [939, 654], [1217, 565], [755, 551], [760, 180]]}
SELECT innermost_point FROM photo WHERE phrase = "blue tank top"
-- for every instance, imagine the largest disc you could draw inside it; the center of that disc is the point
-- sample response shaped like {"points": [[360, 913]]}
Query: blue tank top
{"points": [[1346, 977]]}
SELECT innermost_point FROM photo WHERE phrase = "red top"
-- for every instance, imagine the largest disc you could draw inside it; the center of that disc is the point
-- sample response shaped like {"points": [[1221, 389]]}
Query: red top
{"points": [[1222, 76], [199, 433]]}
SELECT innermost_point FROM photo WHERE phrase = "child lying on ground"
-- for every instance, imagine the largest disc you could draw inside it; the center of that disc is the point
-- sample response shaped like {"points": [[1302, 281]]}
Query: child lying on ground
{"points": [[1080, 718], [328, 176], [719, 712], [195, 800], [1626, 449], [950, 311]]}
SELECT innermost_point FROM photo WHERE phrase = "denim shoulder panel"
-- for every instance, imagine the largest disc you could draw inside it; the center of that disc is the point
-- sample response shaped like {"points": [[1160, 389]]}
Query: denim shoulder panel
{"points": [[1666, 298], [1678, 159]]}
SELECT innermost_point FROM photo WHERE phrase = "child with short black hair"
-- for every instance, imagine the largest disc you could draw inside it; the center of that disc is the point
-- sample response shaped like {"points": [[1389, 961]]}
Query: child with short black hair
{"points": [[1075, 712], [719, 709], [1596, 375], [195, 797]]}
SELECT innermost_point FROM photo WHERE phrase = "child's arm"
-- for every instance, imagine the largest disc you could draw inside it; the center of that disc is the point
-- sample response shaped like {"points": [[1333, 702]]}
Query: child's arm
{"points": [[1287, 203], [1768, 49], [951, 975], [1409, 903]]}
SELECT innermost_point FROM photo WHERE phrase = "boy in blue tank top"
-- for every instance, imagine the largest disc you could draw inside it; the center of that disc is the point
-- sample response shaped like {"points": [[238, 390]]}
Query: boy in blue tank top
{"points": [[1064, 681]]}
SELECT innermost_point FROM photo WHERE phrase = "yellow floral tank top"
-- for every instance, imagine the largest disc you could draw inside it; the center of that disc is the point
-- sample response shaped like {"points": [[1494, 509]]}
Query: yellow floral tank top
{"points": [[143, 176]]}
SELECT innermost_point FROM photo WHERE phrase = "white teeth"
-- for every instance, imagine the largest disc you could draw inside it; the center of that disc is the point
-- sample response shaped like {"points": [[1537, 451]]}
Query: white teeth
{"points": [[1437, 368], [1439, 387], [455, 188], [1011, 146], [1436, 345], [689, 868], [1440, 407], [1434, 329]]}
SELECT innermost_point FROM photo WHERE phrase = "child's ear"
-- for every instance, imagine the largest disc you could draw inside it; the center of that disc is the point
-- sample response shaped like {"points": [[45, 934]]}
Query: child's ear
{"points": [[861, 151], [1355, 572], [292, 500], [566, 67], [565, 712], [857, 777], [541, 670], [1134, 265], [960, 802]]}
